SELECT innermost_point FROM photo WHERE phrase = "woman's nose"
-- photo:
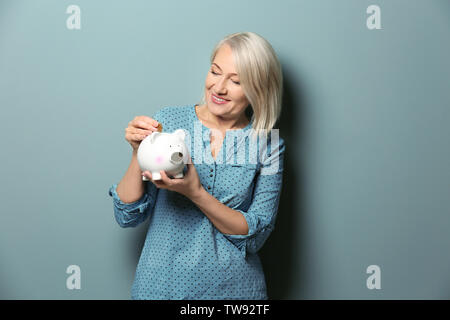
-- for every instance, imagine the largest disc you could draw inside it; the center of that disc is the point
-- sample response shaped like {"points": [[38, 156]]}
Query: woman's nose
{"points": [[221, 85]]}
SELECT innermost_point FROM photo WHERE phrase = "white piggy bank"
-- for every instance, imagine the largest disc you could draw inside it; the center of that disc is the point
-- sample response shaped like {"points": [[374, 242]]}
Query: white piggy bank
{"points": [[163, 151]]}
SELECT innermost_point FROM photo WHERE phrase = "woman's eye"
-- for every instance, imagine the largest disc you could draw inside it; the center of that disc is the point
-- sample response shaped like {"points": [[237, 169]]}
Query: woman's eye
{"points": [[214, 73]]}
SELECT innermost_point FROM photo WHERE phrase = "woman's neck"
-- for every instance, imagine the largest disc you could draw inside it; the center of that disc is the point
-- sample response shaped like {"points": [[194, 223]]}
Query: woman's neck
{"points": [[218, 123]]}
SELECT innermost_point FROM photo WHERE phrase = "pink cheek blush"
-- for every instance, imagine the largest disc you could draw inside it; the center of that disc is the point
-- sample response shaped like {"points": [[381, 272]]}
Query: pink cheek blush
{"points": [[159, 159]]}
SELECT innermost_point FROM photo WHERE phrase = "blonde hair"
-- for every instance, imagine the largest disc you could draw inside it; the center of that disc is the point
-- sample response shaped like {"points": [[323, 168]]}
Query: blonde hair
{"points": [[260, 76]]}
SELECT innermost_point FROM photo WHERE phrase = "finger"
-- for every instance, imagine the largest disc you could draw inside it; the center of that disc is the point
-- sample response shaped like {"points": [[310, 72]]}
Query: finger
{"points": [[138, 137], [147, 126], [139, 131], [152, 122], [165, 178], [189, 160], [158, 183], [147, 174], [148, 120], [145, 123]]}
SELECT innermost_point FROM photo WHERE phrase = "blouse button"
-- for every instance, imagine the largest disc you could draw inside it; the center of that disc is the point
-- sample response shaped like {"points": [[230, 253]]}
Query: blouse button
{"points": [[209, 187], [210, 175], [212, 170]]}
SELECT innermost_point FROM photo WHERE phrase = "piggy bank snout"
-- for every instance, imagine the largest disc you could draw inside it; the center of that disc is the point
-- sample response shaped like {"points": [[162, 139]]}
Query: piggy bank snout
{"points": [[176, 157]]}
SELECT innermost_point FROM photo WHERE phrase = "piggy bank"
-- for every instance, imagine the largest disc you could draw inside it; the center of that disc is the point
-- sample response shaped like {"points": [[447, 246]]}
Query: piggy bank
{"points": [[163, 151]]}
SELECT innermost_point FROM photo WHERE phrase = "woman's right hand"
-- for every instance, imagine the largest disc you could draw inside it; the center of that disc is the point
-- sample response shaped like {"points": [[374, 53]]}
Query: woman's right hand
{"points": [[138, 129]]}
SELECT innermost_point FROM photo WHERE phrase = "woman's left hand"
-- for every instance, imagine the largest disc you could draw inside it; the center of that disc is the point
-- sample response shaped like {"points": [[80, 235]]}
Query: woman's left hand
{"points": [[189, 186]]}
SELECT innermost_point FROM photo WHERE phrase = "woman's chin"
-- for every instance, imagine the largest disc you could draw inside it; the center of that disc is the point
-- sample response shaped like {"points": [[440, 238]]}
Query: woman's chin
{"points": [[217, 109]]}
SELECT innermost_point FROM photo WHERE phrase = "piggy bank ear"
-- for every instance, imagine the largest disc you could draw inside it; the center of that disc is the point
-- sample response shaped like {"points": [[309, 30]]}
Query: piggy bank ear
{"points": [[154, 135], [180, 133]]}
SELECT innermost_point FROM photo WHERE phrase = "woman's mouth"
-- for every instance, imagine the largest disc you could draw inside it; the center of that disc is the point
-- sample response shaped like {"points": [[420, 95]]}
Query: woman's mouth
{"points": [[218, 100]]}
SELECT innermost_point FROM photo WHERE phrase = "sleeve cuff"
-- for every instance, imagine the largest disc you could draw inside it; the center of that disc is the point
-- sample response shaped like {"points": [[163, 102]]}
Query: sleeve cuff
{"points": [[240, 240], [138, 206]]}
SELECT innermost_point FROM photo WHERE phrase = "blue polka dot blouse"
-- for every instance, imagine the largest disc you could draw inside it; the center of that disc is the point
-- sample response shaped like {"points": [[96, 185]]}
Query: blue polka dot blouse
{"points": [[184, 255]]}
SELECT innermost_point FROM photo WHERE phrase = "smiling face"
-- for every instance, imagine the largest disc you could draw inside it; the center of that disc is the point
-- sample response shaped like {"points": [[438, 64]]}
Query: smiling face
{"points": [[223, 82]]}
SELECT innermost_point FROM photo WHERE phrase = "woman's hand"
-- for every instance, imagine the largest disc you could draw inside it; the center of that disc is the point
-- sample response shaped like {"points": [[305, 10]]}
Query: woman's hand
{"points": [[138, 129], [189, 186]]}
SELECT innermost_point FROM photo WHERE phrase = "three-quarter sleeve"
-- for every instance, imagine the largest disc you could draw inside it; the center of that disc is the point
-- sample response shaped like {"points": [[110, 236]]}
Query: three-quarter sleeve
{"points": [[262, 212], [134, 213]]}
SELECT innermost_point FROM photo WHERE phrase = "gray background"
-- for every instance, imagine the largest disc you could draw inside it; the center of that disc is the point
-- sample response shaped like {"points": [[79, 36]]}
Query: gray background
{"points": [[365, 118]]}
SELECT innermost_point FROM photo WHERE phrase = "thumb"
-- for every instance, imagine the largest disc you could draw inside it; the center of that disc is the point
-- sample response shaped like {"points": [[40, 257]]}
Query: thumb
{"points": [[189, 160]]}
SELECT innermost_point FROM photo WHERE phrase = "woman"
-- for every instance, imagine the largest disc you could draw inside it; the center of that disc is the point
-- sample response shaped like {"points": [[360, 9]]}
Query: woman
{"points": [[206, 228]]}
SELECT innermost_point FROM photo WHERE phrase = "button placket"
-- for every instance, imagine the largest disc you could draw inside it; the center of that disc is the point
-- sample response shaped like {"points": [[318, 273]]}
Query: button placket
{"points": [[211, 175]]}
